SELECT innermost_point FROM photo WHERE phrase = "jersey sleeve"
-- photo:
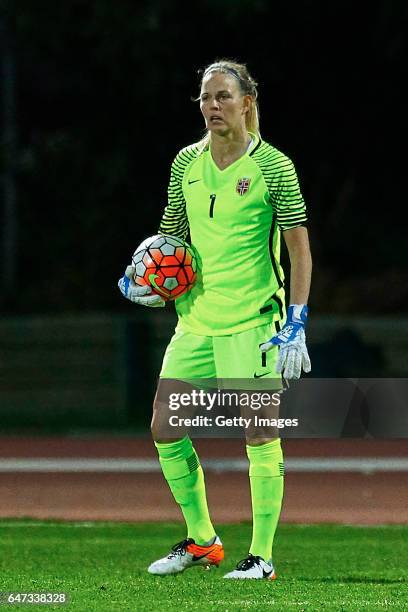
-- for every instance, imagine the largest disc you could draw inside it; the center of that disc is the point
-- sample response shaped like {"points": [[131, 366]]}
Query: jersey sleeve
{"points": [[287, 198], [174, 220], [283, 186]]}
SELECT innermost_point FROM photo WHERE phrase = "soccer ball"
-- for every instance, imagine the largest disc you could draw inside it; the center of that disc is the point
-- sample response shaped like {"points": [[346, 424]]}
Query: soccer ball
{"points": [[167, 264]]}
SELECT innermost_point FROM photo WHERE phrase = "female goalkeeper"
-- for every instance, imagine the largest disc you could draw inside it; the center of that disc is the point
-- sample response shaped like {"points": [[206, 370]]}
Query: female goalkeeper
{"points": [[235, 195]]}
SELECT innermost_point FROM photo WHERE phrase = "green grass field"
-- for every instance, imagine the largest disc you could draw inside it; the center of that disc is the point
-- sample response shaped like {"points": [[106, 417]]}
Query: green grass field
{"points": [[103, 567]]}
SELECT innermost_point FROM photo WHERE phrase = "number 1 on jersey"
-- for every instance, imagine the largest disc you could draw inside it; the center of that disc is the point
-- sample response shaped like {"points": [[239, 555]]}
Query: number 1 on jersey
{"points": [[212, 202]]}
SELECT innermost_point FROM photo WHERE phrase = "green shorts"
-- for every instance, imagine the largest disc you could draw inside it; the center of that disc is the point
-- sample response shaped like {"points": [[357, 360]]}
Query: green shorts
{"points": [[236, 356]]}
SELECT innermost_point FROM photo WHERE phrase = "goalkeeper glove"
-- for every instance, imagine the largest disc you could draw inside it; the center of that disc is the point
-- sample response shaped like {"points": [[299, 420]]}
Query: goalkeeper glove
{"points": [[139, 295], [293, 355]]}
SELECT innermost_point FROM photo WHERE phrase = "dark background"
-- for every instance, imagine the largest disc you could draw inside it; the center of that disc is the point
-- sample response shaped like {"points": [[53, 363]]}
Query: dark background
{"points": [[103, 103]]}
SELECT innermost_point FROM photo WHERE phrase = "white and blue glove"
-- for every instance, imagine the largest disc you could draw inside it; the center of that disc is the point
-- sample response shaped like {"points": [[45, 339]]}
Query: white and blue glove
{"points": [[293, 355], [138, 294]]}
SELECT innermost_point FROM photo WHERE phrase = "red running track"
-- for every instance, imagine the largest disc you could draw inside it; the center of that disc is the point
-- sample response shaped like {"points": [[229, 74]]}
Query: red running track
{"points": [[348, 498]]}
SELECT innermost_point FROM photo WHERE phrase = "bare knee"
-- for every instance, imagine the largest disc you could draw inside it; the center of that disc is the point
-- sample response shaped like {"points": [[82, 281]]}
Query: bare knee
{"points": [[159, 422], [155, 422]]}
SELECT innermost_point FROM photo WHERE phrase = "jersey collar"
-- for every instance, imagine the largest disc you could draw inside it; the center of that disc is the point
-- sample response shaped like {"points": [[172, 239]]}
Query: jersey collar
{"points": [[256, 142]]}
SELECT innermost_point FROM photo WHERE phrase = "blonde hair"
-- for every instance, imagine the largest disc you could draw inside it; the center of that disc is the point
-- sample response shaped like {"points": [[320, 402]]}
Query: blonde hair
{"points": [[248, 87]]}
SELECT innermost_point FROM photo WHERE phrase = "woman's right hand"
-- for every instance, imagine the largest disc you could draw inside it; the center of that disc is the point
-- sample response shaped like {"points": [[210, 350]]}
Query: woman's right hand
{"points": [[138, 294]]}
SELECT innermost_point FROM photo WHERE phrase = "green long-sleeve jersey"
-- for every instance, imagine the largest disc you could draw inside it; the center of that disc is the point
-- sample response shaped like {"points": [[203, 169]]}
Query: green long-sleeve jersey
{"points": [[234, 218]]}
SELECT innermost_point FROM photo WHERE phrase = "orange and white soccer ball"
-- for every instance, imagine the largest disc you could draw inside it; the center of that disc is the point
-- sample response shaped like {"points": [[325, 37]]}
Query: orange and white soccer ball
{"points": [[167, 264]]}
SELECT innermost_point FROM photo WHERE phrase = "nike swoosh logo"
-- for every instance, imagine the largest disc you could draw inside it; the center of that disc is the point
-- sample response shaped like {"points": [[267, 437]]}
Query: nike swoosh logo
{"points": [[266, 574], [195, 181], [197, 557], [160, 290], [260, 375]]}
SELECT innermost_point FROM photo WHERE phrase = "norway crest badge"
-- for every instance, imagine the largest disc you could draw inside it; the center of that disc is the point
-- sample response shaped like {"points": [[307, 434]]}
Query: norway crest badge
{"points": [[243, 185]]}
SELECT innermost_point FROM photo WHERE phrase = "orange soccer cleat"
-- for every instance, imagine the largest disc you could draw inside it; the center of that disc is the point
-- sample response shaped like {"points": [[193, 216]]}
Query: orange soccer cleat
{"points": [[188, 554]]}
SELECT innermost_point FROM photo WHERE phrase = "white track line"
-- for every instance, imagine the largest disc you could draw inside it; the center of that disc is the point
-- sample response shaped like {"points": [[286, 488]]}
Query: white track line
{"points": [[367, 465]]}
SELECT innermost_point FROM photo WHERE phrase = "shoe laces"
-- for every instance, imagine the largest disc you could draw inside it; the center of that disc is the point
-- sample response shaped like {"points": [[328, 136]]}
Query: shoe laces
{"points": [[179, 549], [248, 562]]}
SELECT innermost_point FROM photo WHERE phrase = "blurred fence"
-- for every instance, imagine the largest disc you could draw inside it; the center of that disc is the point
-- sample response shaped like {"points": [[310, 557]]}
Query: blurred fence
{"points": [[97, 371]]}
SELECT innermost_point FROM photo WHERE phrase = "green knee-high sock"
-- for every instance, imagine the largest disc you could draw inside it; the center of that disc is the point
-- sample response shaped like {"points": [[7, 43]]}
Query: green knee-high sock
{"points": [[183, 472], [266, 479]]}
